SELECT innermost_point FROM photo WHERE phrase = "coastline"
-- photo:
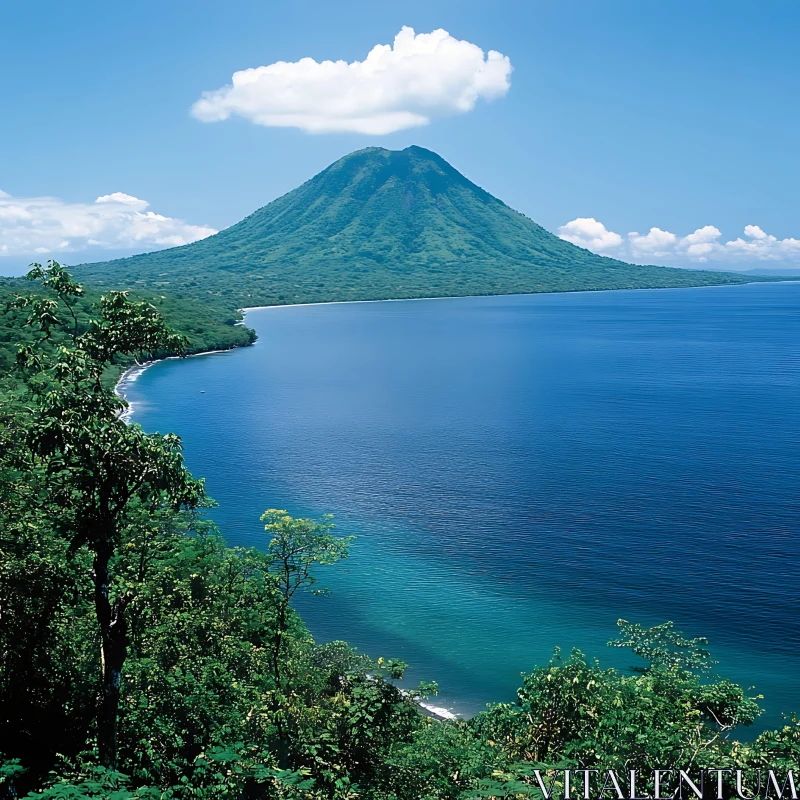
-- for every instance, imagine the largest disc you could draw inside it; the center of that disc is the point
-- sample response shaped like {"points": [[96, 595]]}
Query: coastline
{"points": [[437, 712], [131, 375], [434, 711], [777, 279]]}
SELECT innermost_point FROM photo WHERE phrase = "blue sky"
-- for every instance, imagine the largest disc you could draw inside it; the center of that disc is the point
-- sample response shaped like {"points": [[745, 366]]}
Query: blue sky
{"points": [[631, 114]]}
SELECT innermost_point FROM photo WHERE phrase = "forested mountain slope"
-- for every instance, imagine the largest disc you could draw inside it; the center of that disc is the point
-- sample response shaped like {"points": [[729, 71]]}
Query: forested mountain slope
{"points": [[383, 224]]}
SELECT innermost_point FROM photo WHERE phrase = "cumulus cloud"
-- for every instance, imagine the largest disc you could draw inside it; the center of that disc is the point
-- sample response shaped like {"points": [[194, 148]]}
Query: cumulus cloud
{"points": [[405, 85], [765, 247], [589, 233], [656, 242], [703, 245], [121, 197], [40, 225]]}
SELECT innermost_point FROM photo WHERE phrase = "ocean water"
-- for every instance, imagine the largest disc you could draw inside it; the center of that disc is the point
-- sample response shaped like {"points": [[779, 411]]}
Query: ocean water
{"points": [[520, 472]]}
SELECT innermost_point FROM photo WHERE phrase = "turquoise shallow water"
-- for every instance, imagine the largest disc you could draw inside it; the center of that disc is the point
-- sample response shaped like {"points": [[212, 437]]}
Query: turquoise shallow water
{"points": [[521, 472]]}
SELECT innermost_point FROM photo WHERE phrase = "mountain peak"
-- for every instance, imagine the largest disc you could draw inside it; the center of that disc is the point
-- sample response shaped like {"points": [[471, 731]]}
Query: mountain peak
{"points": [[376, 170], [412, 153], [412, 149]]}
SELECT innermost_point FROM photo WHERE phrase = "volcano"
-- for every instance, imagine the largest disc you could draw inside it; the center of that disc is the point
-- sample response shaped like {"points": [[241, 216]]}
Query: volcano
{"points": [[380, 224]]}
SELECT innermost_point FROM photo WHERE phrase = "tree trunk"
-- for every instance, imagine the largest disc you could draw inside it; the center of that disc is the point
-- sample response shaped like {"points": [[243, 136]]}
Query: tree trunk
{"points": [[113, 649], [277, 646]]}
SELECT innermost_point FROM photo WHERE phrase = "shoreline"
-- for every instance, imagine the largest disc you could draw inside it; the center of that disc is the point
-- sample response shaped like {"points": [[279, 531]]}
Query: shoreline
{"points": [[245, 309], [434, 711], [132, 373], [437, 712]]}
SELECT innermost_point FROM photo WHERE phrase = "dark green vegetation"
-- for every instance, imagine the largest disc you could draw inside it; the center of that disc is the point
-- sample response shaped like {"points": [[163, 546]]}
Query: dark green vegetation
{"points": [[205, 324], [141, 657], [382, 224]]}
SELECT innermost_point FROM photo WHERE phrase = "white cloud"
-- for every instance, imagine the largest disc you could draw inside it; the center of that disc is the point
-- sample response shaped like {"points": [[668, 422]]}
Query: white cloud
{"points": [[701, 246], [654, 243], [114, 221], [704, 235], [121, 197], [754, 231], [589, 233], [764, 246], [420, 77]]}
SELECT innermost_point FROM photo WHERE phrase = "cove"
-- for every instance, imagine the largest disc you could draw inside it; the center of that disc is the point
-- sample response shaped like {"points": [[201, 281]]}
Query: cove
{"points": [[520, 471]]}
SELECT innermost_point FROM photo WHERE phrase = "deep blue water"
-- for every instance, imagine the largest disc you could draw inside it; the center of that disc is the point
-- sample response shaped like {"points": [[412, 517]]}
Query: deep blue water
{"points": [[521, 472]]}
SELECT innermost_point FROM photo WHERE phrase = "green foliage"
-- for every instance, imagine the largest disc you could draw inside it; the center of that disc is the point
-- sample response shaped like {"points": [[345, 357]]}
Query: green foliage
{"points": [[381, 224], [599, 718], [521, 780], [204, 324], [778, 749], [91, 783], [84, 459], [197, 714], [442, 760], [663, 646], [48, 653], [10, 772], [297, 545], [200, 629]]}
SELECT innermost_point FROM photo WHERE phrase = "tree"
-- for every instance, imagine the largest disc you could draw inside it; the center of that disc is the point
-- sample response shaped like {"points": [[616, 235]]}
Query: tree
{"points": [[663, 646], [576, 711], [296, 547], [92, 466]]}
